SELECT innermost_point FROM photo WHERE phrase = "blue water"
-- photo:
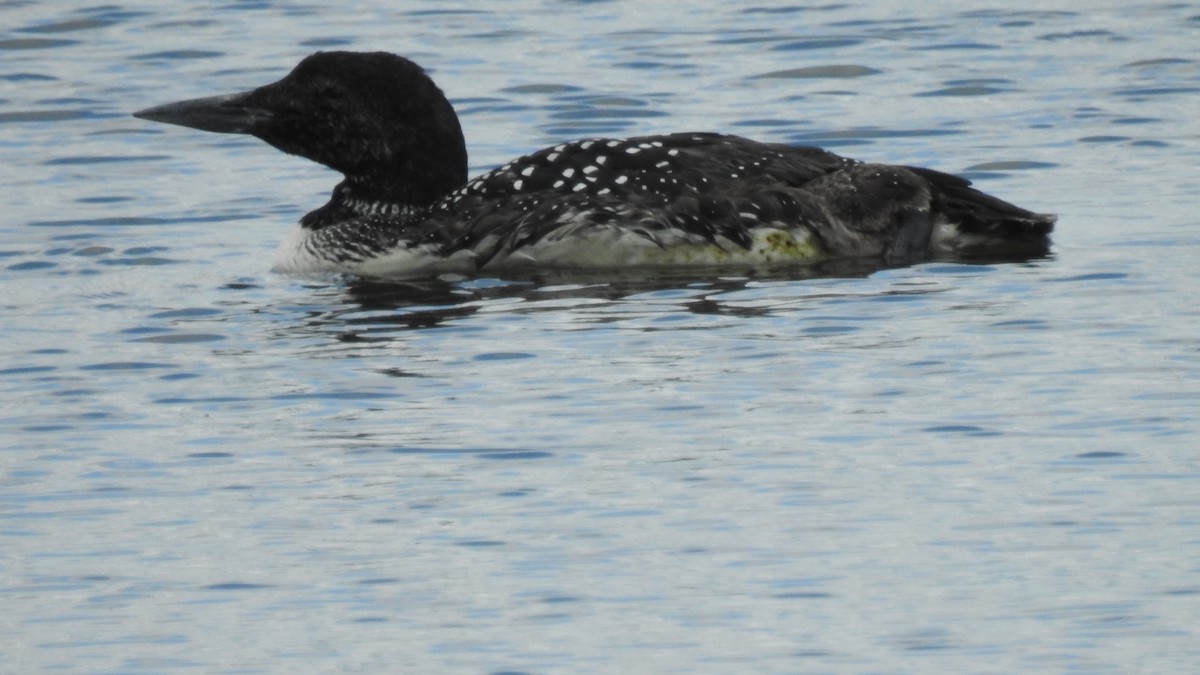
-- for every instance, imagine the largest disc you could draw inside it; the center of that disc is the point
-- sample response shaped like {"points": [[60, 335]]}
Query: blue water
{"points": [[208, 467]]}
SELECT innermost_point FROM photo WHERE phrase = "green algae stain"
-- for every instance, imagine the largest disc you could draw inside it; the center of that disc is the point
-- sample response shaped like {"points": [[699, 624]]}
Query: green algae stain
{"points": [[767, 246], [785, 246]]}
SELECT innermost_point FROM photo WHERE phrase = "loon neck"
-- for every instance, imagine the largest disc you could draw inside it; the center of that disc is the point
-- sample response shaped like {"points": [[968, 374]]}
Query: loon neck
{"points": [[352, 199]]}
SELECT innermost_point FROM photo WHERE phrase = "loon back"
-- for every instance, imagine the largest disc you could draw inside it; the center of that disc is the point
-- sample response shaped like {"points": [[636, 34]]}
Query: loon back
{"points": [[405, 206]]}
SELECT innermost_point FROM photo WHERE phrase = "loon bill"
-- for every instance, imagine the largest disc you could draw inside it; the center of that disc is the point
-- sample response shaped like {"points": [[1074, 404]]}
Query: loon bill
{"points": [[406, 208]]}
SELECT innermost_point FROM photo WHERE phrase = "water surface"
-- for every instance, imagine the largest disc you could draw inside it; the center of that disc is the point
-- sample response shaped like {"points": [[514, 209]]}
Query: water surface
{"points": [[943, 467]]}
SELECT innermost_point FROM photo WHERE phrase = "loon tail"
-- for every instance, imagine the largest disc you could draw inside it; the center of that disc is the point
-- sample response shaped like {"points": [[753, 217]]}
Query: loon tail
{"points": [[983, 225]]}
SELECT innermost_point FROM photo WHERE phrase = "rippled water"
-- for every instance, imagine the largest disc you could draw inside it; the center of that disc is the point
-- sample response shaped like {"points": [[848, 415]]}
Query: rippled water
{"points": [[950, 468]]}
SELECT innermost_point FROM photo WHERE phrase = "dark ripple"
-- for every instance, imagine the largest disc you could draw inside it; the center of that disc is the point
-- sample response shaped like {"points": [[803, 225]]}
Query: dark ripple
{"points": [[31, 265], [178, 54], [548, 88], [1171, 61], [45, 116], [182, 338], [1023, 324], [92, 251], [127, 365], [20, 44], [654, 65], [1136, 120], [102, 159], [173, 377], [176, 400], [1014, 165], [1106, 35], [482, 453], [335, 396], [236, 586], [1104, 139], [605, 113], [865, 135], [493, 108], [1141, 93], [963, 91], [69, 26], [748, 37], [503, 356], [791, 9], [829, 330], [965, 429], [143, 261], [326, 43], [815, 44], [444, 12], [505, 456], [106, 199], [960, 46], [125, 221], [768, 123], [835, 72], [139, 330], [25, 370], [379, 581], [1098, 276], [587, 129], [27, 77], [188, 313], [48, 428]]}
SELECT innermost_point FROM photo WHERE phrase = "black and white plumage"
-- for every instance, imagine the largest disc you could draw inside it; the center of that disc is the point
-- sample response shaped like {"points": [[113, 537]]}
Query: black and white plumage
{"points": [[405, 207]]}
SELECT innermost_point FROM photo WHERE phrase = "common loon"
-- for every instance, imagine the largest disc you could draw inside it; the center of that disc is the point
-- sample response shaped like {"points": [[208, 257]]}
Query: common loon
{"points": [[406, 208]]}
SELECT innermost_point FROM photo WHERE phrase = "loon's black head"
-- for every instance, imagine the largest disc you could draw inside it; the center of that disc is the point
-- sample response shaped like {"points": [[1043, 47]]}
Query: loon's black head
{"points": [[375, 117]]}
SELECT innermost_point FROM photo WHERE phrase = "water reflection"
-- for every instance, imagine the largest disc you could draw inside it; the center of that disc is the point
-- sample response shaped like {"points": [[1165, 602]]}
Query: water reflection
{"points": [[370, 306]]}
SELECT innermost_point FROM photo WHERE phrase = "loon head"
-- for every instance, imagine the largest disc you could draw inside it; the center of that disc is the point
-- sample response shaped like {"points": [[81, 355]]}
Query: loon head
{"points": [[375, 117]]}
